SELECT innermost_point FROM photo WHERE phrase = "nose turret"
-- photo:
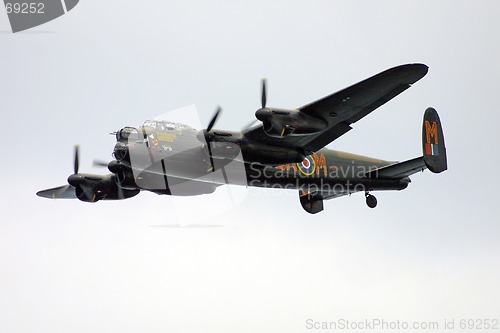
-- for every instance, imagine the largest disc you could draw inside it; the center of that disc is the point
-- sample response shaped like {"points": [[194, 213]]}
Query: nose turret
{"points": [[127, 133], [120, 151]]}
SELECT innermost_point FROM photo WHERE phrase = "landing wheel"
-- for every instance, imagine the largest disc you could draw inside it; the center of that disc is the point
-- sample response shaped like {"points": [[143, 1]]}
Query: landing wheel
{"points": [[371, 201]]}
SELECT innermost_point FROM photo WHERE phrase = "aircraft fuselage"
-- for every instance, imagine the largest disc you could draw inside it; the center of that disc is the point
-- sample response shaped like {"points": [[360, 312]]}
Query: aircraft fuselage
{"points": [[170, 158]]}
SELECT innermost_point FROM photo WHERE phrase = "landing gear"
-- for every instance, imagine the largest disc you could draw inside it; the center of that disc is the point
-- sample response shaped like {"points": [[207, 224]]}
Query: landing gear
{"points": [[371, 201]]}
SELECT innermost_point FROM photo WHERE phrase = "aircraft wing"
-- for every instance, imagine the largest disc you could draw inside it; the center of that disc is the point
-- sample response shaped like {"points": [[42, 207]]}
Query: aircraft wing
{"points": [[345, 107], [61, 192]]}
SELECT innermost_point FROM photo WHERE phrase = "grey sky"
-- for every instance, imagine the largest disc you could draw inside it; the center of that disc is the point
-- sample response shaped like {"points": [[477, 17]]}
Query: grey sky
{"points": [[427, 253]]}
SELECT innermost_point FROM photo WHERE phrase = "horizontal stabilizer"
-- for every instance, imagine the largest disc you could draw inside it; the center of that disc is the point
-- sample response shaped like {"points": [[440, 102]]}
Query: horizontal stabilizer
{"points": [[399, 170], [61, 192]]}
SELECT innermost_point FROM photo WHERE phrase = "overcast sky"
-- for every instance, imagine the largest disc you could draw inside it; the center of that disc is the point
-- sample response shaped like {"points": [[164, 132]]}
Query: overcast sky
{"points": [[427, 253]]}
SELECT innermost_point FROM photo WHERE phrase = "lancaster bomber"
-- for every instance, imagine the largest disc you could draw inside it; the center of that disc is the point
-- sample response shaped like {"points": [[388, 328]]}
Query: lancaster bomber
{"points": [[285, 149]]}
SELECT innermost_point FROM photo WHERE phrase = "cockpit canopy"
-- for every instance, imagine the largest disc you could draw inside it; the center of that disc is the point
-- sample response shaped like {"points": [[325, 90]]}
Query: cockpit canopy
{"points": [[148, 127], [165, 125]]}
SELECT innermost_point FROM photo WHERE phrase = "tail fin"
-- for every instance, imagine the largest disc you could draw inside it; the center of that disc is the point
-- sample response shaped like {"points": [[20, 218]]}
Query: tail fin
{"points": [[433, 142]]}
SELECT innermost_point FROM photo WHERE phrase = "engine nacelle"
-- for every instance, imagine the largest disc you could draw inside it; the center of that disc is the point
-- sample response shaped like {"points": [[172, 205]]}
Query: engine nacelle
{"points": [[124, 176], [281, 122], [92, 195], [92, 188]]}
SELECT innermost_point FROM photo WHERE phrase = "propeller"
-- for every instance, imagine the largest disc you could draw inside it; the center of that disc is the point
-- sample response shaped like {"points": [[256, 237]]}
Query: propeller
{"points": [[264, 94], [76, 183], [119, 187], [214, 118], [247, 126], [204, 137], [98, 163], [74, 177], [77, 159], [263, 104], [203, 134], [76, 164]]}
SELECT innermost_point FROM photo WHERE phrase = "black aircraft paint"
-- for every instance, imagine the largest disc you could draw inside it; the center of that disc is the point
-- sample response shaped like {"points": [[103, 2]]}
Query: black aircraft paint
{"points": [[286, 151]]}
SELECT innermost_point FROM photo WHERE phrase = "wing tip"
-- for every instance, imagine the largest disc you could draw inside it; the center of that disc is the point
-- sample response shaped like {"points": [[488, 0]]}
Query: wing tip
{"points": [[420, 68], [415, 71], [61, 192], [44, 194]]}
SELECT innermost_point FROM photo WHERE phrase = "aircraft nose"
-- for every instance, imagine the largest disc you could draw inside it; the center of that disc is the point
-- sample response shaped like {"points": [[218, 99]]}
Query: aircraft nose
{"points": [[120, 151], [127, 133]]}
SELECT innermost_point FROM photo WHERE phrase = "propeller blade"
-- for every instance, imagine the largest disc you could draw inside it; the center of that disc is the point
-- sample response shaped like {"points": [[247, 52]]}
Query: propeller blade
{"points": [[120, 192], [119, 187], [205, 139], [210, 156], [264, 95], [77, 158], [97, 163], [247, 126], [214, 118]]}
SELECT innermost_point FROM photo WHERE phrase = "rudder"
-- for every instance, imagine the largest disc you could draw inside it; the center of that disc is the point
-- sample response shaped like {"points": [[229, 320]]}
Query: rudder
{"points": [[433, 142]]}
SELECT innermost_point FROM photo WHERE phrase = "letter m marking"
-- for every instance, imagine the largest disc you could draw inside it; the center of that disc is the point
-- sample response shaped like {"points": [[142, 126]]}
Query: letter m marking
{"points": [[431, 132]]}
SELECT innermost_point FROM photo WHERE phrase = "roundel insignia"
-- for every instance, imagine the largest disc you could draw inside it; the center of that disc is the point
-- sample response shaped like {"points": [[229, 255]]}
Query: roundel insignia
{"points": [[307, 166]]}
